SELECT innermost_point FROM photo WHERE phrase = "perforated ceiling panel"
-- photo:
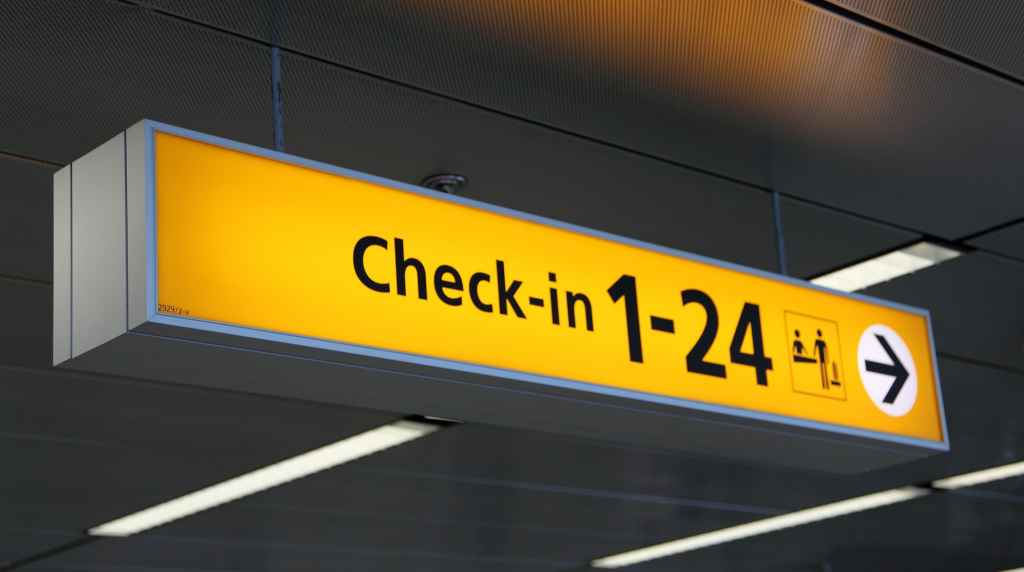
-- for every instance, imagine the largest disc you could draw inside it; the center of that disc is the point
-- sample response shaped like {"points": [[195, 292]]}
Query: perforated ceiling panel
{"points": [[26, 219], [756, 90], [991, 32], [76, 73]]}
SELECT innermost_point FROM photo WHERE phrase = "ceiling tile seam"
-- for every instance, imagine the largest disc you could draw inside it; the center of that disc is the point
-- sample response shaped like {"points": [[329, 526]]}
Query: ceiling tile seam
{"points": [[168, 386], [449, 521], [906, 37], [978, 362], [1003, 226], [28, 159], [33, 558], [125, 445], [25, 280], [561, 489], [451, 99], [995, 442], [1004, 257], [989, 495], [40, 531], [345, 549]]}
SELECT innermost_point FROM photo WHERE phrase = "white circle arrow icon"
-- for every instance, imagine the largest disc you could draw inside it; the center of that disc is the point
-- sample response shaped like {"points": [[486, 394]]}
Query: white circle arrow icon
{"points": [[887, 370]]}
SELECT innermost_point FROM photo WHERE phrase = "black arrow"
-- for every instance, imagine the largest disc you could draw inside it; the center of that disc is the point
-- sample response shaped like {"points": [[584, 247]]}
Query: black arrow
{"points": [[895, 369]]}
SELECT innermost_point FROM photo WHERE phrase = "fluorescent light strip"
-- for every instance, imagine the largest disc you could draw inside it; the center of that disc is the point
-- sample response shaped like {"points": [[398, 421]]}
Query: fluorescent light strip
{"points": [[980, 477], [886, 267], [764, 526], [806, 516], [368, 443]]}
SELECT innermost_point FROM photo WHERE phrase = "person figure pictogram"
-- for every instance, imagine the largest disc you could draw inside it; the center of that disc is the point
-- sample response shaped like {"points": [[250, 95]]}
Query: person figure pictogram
{"points": [[799, 351], [821, 352]]}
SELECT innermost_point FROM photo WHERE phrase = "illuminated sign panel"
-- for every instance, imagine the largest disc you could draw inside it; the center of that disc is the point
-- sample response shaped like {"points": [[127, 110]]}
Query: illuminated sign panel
{"points": [[262, 243], [185, 258]]}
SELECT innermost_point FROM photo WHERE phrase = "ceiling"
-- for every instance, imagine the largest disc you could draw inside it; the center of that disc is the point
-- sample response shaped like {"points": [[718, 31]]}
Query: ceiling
{"points": [[879, 123]]}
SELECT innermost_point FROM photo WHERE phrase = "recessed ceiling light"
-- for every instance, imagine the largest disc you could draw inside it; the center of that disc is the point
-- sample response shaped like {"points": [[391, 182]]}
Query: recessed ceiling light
{"points": [[306, 464], [886, 267], [764, 526], [980, 477], [807, 516]]}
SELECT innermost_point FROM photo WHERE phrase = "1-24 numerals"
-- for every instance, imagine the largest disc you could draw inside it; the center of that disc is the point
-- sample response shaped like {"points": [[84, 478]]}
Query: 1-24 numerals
{"points": [[750, 320]]}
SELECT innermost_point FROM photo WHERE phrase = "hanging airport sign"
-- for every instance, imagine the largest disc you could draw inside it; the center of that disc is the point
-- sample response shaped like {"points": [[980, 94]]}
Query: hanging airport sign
{"points": [[234, 246]]}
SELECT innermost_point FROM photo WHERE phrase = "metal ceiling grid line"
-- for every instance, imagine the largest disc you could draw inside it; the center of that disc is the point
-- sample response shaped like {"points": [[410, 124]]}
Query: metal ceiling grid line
{"points": [[972, 361], [993, 229], [31, 160], [342, 549], [692, 503], [48, 553], [438, 520], [990, 32], [26, 280]]}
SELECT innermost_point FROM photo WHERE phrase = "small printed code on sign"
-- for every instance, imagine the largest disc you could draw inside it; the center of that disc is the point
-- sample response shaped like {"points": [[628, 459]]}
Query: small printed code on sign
{"points": [[168, 309]]}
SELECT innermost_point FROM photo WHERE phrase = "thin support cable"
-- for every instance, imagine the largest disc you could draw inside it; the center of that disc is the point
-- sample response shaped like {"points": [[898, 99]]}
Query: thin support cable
{"points": [[780, 240], [278, 99]]}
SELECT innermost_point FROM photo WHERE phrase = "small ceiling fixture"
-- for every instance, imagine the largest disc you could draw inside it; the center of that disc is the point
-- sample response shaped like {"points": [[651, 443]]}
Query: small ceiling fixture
{"points": [[447, 183]]}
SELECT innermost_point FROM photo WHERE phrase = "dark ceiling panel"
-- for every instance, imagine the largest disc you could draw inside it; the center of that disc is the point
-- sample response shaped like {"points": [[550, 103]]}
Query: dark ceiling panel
{"points": [[70, 484], [26, 323], [59, 405], [26, 219], [170, 554], [364, 124], [990, 32], [967, 454], [511, 461], [78, 72], [18, 543], [976, 305], [983, 402], [819, 240], [1008, 241], [767, 92], [410, 528], [514, 520]]}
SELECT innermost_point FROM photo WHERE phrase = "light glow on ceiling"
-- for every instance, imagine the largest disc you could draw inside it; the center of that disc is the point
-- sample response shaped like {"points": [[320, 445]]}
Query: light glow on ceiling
{"points": [[764, 526], [886, 267], [350, 449]]}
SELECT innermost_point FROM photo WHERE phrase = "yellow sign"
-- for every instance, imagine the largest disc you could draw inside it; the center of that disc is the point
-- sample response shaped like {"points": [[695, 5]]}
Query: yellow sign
{"points": [[253, 241]]}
